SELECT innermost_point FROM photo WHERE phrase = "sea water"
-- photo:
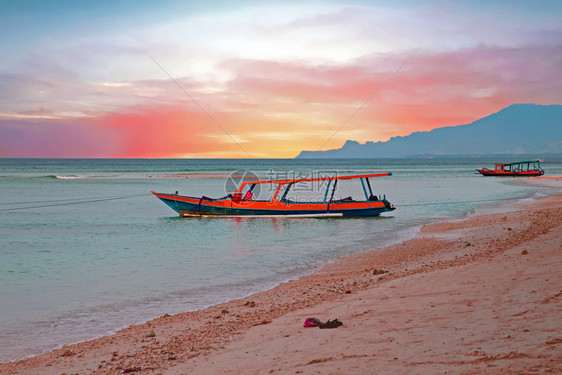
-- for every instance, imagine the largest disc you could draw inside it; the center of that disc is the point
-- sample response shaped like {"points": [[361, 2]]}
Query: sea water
{"points": [[85, 249]]}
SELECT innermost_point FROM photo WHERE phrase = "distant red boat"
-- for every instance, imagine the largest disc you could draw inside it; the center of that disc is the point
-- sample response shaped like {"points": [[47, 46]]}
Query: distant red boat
{"points": [[528, 168]]}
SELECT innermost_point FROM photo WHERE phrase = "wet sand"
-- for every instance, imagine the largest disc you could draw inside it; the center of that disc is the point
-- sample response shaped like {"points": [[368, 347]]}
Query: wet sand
{"points": [[478, 295]]}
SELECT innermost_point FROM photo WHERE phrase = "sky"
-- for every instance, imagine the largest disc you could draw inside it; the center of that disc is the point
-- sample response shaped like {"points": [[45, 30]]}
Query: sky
{"points": [[262, 79]]}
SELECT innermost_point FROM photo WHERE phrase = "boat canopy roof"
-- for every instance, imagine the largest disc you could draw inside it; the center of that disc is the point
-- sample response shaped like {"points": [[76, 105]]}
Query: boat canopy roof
{"points": [[284, 182], [522, 162]]}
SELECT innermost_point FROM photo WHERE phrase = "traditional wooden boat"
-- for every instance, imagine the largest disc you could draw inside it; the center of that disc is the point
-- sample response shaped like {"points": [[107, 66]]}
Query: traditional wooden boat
{"points": [[527, 168], [241, 202]]}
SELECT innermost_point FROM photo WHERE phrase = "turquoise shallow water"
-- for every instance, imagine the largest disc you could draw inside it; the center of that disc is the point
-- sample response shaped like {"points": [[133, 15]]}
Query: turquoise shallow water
{"points": [[86, 250]]}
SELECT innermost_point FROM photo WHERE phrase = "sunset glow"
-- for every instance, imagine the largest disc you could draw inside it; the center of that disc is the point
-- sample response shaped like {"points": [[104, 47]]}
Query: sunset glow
{"points": [[266, 80]]}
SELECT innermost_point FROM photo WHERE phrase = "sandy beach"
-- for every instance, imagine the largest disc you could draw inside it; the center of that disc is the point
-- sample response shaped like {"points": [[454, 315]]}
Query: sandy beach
{"points": [[478, 295]]}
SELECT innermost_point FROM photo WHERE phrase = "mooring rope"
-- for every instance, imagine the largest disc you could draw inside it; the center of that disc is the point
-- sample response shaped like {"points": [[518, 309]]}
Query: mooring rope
{"points": [[88, 200], [58, 200]]}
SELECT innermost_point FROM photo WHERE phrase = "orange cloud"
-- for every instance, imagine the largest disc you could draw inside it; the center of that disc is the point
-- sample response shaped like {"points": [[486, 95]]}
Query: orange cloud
{"points": [[176, 132]]}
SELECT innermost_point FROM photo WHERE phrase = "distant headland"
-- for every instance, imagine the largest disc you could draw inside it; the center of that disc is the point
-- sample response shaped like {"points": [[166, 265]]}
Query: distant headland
{"points": [[517, 129]]}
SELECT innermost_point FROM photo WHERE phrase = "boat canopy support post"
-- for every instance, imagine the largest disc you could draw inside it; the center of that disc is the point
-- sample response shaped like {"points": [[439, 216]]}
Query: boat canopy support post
{"points": [[327, 189], [365, 191], [289, 185], [369, 186], [276, 194], [332, 196], [334, 190]]}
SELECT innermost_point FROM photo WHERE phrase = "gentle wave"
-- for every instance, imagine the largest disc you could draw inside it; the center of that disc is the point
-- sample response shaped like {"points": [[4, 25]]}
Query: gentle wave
{"points": [[67, 177], [49, 176], [70, 177]]}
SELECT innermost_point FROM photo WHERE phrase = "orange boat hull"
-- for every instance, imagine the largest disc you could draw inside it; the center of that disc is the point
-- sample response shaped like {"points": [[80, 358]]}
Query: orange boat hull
{"points": [[193, 206]]}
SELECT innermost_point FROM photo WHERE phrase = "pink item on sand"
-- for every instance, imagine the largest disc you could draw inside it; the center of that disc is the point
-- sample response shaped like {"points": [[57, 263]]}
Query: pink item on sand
{"points": [[311, 322]]}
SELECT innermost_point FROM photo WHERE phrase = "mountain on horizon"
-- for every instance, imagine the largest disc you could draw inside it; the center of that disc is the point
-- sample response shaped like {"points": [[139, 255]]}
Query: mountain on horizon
{"points": [[518, 129]]}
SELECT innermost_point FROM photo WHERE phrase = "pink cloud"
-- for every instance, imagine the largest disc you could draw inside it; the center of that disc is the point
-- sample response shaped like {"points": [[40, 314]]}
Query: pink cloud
{"points": [[433, 90], [55, 138]]}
